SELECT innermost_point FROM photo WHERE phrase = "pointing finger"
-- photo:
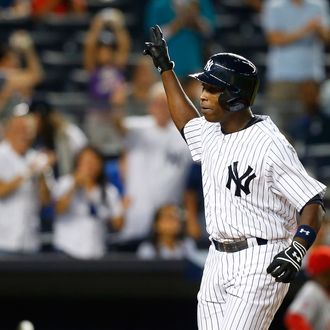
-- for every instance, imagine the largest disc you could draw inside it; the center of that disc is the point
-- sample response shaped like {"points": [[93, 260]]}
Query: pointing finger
{"points": [[158, 32], [153, 34]]}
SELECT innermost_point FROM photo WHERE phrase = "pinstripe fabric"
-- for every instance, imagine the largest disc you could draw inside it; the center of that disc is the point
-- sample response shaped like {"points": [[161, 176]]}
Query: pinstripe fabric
{"points": [[281, 186], [236, 292], [254, 185]]}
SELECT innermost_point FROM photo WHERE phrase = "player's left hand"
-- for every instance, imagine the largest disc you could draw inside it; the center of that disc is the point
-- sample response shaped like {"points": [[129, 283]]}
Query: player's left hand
{"points": [[157, 49], [287, 263]]}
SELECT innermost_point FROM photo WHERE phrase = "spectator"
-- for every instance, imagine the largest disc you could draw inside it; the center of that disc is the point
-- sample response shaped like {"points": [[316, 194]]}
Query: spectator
{"points": [[17, 82], [194, 203], [168, 239], [185, 25], [311, 132], [56, 133], [85, 204], [42, 8], [107, 42], [138, 89], [254, 4], [107, 47], [23, 188], [295, 31], [310, 310], [157, 161], [325, 96], [323, 237], [14, 9]]}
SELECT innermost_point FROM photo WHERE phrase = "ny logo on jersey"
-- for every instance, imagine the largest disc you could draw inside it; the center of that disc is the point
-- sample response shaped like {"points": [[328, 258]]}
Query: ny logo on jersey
{"points": [[233, 175]]}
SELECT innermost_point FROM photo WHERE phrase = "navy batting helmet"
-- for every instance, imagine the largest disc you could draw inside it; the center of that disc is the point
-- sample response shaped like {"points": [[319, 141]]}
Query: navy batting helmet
{"points": [[237, 75]]}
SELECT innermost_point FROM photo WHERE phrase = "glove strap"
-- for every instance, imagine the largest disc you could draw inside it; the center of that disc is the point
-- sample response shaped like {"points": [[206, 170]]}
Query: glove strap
{"points": [[307, 233], [300, 248], [294, 254]]}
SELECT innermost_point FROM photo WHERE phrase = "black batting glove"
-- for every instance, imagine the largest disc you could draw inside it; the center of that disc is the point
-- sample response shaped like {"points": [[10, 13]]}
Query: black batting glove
{"points": [[287, 263], [158, 50]]}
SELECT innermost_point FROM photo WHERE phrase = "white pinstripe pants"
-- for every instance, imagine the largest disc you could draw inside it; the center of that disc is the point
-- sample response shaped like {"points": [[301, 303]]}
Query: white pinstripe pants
{"points": [[236, 292]]}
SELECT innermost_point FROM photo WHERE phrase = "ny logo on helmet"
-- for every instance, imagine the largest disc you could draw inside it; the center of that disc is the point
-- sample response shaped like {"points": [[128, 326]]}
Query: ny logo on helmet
{"points": [[208, 65], [233, 176]]}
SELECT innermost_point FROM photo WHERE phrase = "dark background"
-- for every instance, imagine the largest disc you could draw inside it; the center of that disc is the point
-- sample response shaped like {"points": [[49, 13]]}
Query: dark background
{"points": [[117, 293]]}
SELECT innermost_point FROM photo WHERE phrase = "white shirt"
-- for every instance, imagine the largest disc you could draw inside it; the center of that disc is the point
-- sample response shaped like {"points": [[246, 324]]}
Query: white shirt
{"points": [[19, 211], [313, 303], [253, 181], [69, 141], [302, 59], [157, 165], [77, 232]]}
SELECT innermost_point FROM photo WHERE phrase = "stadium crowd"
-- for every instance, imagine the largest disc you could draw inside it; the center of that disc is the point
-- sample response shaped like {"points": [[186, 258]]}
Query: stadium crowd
{"points": [[90, 160]]}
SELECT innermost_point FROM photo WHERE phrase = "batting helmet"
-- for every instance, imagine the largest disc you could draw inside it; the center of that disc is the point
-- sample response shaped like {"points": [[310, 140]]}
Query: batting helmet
{"points": [[237, 75]]}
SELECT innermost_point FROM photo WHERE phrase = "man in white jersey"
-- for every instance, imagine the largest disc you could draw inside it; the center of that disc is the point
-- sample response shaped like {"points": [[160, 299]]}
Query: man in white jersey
{"points": [[254, 186]]}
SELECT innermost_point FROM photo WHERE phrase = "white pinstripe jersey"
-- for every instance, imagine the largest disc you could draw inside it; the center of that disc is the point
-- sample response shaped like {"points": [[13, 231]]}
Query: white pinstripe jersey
{"points": [[253, 181]]}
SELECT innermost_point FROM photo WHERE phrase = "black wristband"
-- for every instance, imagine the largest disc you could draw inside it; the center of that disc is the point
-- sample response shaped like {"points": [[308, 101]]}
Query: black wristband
{"points": [[307, 233]]}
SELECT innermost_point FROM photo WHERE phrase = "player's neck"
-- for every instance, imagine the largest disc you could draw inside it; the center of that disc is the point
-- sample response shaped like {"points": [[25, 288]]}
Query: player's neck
{"points": [[236, 121]]}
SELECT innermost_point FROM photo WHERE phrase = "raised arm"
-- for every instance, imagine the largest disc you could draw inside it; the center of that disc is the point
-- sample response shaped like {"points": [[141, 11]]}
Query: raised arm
{"points": [[181, 108]]}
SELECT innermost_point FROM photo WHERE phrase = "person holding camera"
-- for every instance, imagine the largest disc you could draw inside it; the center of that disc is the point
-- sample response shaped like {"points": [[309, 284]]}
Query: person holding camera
{"points": [[106, 51], [17, 82], [186, 25]]}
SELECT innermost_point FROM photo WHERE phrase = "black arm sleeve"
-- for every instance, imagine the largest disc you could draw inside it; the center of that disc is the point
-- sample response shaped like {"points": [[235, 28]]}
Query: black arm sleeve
{"points": [[315, 200]]}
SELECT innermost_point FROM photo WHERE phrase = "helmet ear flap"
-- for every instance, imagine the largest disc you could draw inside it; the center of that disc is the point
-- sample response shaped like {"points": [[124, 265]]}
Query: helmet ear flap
{"points": [[230, 102]]}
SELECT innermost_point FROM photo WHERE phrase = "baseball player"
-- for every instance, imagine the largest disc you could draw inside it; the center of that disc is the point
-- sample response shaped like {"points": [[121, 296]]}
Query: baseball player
{"points": [[254, 187]]}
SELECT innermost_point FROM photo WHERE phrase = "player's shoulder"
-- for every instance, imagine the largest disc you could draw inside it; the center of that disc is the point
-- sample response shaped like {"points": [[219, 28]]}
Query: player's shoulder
{"points": [[272, 133], [199, 123], [267, 127]]}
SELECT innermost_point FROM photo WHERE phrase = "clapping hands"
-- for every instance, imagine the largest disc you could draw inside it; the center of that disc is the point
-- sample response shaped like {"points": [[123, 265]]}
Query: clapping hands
{"points": [[41, 163]]}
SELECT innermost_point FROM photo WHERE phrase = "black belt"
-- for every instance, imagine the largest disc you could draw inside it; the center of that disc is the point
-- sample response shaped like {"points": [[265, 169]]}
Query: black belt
{"points": [[236, 246]]}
